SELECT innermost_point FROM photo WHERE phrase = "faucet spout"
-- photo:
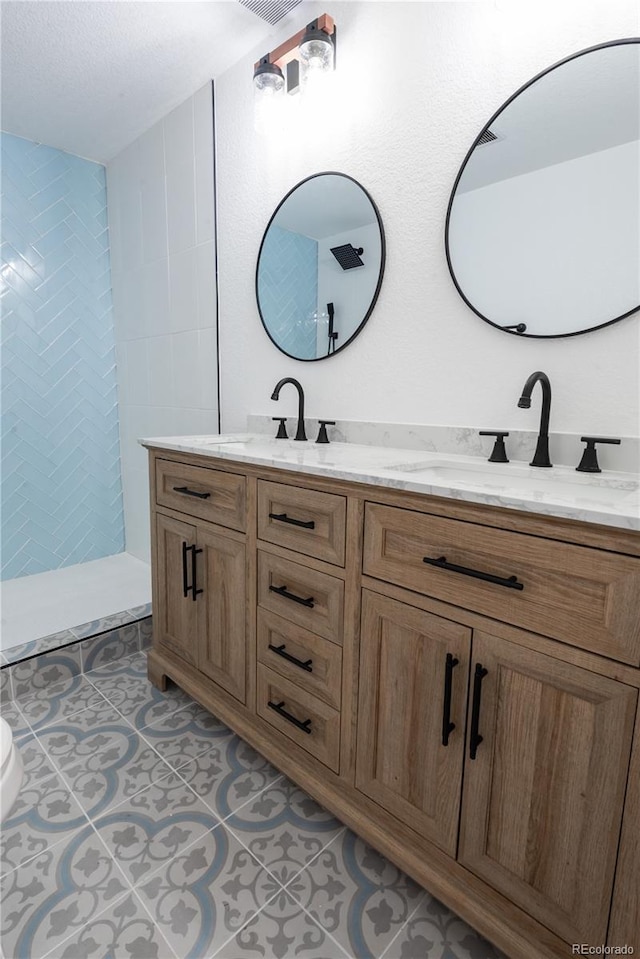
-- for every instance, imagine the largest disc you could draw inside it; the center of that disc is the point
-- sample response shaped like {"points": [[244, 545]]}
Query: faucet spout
{"points": [[541, 455], [300, 433]]}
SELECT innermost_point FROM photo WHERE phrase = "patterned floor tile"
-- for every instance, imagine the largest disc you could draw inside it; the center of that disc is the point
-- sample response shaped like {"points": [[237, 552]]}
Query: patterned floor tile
{"points": [[185, 734], [282, 930], [123, 930], [139, 701], [34, 676], [357, 896], [206, 894], [42, 645], [102, 625], [44, 813], [6, 689], [12, 715], [58, 701], [228, 775], [121, 765], [35, 761], [145, 832], [111, 647], [433, 930], [80, 734], [284, 828], [133, 664], [56, 894]]}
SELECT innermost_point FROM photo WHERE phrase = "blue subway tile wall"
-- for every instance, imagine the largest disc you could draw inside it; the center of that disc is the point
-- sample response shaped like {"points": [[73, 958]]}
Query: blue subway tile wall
{"points": [[62, 490], [288, 290]]}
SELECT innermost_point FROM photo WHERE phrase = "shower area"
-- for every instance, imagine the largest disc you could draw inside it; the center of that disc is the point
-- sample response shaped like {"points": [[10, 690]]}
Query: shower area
{"points": [[65, 572]]}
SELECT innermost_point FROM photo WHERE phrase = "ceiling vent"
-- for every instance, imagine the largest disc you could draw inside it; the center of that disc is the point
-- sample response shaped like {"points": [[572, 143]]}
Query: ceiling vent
{"points": [[487, 137], [270, 10]]}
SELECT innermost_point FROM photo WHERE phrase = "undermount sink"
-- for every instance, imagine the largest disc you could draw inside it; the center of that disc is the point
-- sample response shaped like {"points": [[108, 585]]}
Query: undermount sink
{"points": [[499, 477]]}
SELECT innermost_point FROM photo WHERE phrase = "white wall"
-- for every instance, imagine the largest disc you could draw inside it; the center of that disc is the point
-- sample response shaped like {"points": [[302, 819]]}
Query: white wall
{"points": [[161, 225], [414, 85]]}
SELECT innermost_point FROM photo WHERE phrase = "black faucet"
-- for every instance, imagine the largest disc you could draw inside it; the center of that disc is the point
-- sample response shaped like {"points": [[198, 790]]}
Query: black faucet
{"points": [[300, 433], [541, 455]]}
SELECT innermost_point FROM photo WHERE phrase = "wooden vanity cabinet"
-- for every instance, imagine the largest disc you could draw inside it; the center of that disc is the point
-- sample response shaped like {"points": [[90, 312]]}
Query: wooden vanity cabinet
{"points": [[478, 734], [199, 580]]}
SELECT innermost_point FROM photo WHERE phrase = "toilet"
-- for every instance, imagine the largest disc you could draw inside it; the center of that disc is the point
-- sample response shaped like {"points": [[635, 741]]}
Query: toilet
{"points": [[11, 771]]}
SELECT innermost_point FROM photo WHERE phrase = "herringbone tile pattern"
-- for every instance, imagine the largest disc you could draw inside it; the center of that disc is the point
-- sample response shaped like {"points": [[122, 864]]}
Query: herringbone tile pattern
{"points": [[288, 291], [62, 494]]}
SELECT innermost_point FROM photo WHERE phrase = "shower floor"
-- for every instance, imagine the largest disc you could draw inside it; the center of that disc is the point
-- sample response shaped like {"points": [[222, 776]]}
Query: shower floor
{"points": [[38, 606]]}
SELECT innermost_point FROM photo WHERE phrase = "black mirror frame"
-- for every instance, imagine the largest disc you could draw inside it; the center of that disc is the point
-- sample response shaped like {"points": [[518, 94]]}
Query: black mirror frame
{"points": [[374, 299], [514, 331]]}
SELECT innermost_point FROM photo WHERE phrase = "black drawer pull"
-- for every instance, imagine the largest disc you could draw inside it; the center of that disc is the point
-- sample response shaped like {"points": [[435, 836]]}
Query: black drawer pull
{"points": [[474, 736], [185, 577], [511, 582], [282, 591], [280, 650], [190, 492], [194, 590], [447, 725], [283, 518], [305, 725]]}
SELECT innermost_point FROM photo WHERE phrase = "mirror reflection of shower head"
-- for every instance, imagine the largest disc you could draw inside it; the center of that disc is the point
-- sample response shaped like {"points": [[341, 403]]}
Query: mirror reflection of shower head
{"points": [[348, 256]]}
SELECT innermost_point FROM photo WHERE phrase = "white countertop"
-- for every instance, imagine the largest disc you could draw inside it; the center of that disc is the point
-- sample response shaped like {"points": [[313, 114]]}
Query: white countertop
{"points": [[607, 498]]}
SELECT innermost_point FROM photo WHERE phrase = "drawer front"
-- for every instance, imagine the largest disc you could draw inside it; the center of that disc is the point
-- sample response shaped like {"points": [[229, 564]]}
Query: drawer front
{"points": [[304, 520], [306, 720], [309, 661], [303, 596], [585, 597], [208, 494]]}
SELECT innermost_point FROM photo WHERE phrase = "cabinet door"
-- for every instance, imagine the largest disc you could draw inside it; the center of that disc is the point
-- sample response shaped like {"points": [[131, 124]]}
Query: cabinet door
{"points": [[222, 610], [543, 798], [402, 762], [174, 612]]}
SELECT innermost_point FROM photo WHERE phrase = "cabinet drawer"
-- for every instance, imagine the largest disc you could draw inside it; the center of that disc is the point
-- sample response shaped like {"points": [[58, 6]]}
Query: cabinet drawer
{"points": [[306, 720], [585, 597], [208, 494], [304, 520], [303, 596], [310, 661]]}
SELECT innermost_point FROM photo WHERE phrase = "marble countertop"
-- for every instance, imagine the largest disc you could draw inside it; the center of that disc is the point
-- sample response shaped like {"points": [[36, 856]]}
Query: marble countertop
{"points": [[608, 498]]}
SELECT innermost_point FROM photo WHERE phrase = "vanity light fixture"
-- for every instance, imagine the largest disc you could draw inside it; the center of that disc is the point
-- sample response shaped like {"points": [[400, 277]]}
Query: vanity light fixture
{"points": [[298, 61]]}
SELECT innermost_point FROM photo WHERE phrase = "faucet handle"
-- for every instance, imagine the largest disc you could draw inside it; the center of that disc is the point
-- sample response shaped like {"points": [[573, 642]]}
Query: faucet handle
{"points": [[499, 453], [589, 462], [282, 429], [322, 432]]}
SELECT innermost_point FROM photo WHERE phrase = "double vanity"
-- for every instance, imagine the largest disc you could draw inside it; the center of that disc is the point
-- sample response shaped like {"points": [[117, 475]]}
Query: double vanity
{"points": [[443, 651]]}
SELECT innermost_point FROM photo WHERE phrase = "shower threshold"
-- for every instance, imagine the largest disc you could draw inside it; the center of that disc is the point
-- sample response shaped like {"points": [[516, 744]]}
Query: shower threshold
{"points": [[48, 611]]}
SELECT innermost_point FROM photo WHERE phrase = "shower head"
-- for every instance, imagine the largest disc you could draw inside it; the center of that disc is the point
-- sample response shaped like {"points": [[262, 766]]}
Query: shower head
{"points": [[347, 256]]}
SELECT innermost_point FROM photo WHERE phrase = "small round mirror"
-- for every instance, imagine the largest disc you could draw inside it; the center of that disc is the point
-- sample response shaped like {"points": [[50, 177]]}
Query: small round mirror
{"points": [[320, 266], [543, 226]]}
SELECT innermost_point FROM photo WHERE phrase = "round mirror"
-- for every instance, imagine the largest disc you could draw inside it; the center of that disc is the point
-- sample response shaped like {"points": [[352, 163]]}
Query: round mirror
{"points": [[543, 225], [320, 266]]}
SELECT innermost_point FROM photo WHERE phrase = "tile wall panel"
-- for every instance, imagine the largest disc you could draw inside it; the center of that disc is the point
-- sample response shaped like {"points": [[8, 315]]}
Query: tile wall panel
{"points": [[62, 493]]}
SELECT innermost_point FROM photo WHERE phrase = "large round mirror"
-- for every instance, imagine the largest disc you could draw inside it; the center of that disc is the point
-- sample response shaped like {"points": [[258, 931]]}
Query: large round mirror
{"points": [[320, 266], [543, 226]]}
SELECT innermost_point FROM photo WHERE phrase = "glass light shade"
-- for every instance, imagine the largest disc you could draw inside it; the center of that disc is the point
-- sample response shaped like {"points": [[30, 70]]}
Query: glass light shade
{"points": [[316, 54], [268, 81]]}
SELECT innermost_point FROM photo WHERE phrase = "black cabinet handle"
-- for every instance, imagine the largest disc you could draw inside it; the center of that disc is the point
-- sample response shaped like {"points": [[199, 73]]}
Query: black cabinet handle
{"points": [[185, 577], [511, 582], [194, 591], [474, 736], [281, 651], [305, 725], [282, 591], [283, 518], [190, 492], [447, 725]]}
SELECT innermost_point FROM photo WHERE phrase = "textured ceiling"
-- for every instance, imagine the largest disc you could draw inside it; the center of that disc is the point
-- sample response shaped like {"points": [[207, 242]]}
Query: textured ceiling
{"points": [[89, 76]]}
